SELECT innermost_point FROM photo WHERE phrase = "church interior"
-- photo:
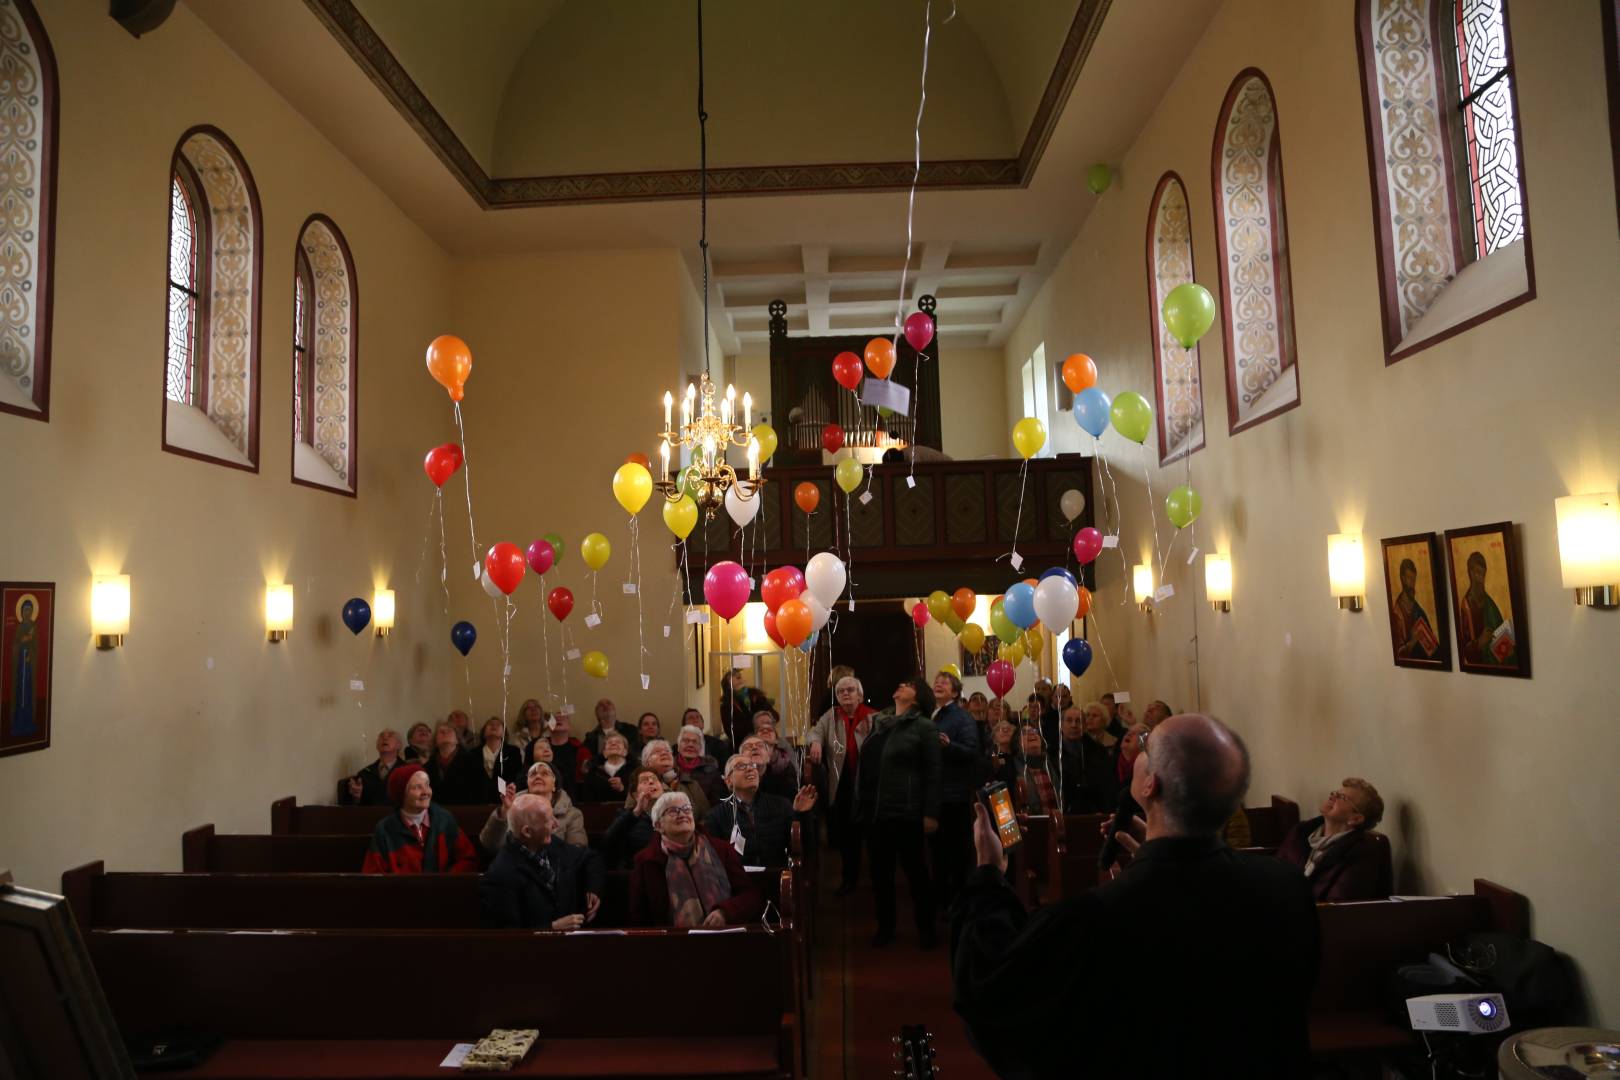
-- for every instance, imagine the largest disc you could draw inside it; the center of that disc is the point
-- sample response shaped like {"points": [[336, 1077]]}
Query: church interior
{"points": [[528, 369]]}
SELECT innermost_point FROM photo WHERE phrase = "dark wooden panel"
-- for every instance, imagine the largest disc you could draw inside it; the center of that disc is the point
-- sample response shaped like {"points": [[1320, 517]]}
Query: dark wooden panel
{"points": [[914, 512], [1008, 487], [865, 520], [964, 509]]}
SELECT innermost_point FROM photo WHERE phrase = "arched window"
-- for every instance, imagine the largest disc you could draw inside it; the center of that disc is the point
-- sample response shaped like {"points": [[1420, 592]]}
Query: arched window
{"points": [[211, 348], [1251, 232], [325, 415], [1175, 370], [28, 113], [1443, 142]]}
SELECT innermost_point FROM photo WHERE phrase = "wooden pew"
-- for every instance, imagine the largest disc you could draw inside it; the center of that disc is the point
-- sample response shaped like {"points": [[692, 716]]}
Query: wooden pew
{"points": [[335, 1003], [202, 850], [1269, 824]]}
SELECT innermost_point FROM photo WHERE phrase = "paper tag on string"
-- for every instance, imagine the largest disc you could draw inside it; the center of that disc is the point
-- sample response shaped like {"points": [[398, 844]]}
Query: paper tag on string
{"points": [[629, 588], [852, 603], [666, 631], [752, 584], [593, 620], [742, 660], [645, 682], [1110, 541], [911, 481], [571, 654], [1164, 592], [507, 670], [356, 684], [866, 497], [478, 571], [565, 710], [1191, 556], [1122, 697], [701, 617], [1017, 561]]}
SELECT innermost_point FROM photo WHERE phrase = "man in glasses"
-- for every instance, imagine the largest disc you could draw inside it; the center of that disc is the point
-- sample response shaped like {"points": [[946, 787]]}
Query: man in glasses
{"points": [[756, 822], [1214, 951], [1341, 856]]}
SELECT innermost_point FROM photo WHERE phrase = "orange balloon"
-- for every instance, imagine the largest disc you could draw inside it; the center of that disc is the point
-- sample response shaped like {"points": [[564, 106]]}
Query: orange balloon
{"points": [[808, 496], [794, 621], [880, 356], [1079, 373], [1032, 582], [639, 459], [1085, 602], [962, 602], [449, 361]]}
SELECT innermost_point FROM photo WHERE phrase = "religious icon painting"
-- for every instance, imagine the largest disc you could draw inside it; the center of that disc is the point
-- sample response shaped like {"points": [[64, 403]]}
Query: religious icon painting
{"points": [[1414, 585], [1487, 586], [976, 664], [29, 609]]}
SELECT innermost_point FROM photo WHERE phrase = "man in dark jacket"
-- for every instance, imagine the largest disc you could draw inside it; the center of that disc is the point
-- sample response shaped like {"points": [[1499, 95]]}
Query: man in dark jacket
{"points": [[1088, 765], [952, 845], [897, 792], [537, 882], [607, 720], [1341, 856], [1218, 950], [756, 823], [369, 786]]}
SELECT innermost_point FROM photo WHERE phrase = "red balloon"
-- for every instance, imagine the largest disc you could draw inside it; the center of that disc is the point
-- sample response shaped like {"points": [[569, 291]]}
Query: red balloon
{"points": [[832, 438], [919, 330], [772, 632], [1000, 676], [1088, 542], [919, 613], [505, 566], [783, 583], [847, 370], [541, 556], [561, 602], [442, 462]]}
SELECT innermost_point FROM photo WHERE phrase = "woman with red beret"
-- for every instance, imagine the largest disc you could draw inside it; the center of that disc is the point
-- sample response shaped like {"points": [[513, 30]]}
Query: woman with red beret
{"points": [[419, 838]]}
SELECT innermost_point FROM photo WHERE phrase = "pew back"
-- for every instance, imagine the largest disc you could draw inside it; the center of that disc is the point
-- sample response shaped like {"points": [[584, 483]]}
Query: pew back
{"points": [[288, 818], [202, 850]]}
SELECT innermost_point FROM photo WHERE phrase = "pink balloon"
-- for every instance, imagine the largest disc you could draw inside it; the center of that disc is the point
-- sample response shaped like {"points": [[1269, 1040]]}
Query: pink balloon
{"points": [[919, 330], [541, 556], [725, 587], [919, 613], [1087, 543], [1001, 677]]}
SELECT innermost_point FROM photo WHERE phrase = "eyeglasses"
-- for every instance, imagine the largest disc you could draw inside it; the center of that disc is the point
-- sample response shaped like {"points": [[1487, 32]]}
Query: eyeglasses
{"points": [[745, 766], [1338, 795], [1141, 743], [676, 811]]}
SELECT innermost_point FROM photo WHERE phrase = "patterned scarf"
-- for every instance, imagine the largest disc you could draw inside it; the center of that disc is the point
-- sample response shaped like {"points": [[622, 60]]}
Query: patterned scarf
{"points": [[696, 879], [1038, 795]]}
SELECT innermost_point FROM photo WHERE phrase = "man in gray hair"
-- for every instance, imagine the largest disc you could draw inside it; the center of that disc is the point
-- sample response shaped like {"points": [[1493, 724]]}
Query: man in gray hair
{"points": [[1218, 949]]}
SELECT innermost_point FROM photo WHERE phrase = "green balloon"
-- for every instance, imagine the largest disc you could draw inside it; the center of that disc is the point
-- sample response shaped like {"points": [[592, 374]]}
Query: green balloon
{"points": [[1003, 626], [1132, 415], [1189, 312], [1098, 177], [885, 412], [939, 605], [955, 622], [556, 548], [1182, 506]]}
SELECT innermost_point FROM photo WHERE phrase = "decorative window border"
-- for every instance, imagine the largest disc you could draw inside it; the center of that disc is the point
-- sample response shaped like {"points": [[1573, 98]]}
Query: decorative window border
{"points": [[255, 269], [1283, 314], [42, 279], [1163, 344], [1419, 261], [350, 387]]}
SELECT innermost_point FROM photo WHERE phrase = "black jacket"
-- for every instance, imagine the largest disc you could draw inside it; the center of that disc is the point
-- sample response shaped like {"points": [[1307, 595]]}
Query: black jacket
{"points": [[1090, 773], [629, 833], [765, 828], [1217, 950], [373, 786], [477, 786], [593, 740], [959, 761], [898, 777], [514, 894], [452, 783], [597, 785]]}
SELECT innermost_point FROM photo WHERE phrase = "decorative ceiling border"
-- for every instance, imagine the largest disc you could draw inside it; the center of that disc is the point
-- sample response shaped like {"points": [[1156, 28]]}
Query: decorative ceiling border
{"points": [[345, 23]]}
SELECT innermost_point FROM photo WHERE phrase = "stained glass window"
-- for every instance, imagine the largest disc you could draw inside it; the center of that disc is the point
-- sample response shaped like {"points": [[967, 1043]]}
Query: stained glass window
{"points": [[181, 381], [303, 357], [1485, 101]]}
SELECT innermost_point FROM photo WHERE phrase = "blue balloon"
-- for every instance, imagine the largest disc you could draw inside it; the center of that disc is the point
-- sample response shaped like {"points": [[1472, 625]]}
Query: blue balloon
{"points": [[1077, 656], [356, 613], [1061, 571], [1092, 409], [1019, 604], [462, 636], [810, 642]]}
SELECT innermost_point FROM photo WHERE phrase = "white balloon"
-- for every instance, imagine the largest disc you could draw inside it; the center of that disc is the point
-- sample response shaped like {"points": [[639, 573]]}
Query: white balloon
{"points": [[1073, 504], [489, 585], [824, 577], [819, 612], [742, 510], [1056, 603]]}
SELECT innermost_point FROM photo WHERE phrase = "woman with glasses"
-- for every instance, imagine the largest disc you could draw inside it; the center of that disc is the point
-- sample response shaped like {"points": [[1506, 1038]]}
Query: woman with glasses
{"points": [[835, 742], [1341, 856], [688, 878]]}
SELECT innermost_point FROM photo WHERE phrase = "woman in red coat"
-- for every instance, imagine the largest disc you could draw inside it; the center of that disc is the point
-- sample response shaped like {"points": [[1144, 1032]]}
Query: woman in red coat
{"points": [[686, 878], [419, 837]]}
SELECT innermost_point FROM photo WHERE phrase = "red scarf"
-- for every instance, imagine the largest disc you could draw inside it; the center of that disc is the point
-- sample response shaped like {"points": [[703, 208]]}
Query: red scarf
{"points": [[687, 764], [852, 752]]}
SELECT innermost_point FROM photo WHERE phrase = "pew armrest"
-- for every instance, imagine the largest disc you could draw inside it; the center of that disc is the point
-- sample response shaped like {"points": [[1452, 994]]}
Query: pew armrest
{"points": [[281, 814], [1510, 911], [194, 849], [78, 888]]}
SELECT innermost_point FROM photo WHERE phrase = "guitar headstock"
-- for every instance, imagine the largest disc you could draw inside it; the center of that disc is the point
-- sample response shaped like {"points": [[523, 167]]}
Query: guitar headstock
{"points": [[914, 1053]]}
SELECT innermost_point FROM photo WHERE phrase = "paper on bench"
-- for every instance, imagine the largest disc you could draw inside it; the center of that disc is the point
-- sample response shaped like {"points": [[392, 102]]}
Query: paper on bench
{"points": [[137, 930], [610, 933], [723, 930], [755, 869], [458, 1053]]}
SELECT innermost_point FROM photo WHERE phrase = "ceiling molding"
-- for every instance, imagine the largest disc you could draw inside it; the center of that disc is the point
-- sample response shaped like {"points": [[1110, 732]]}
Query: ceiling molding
{"points": [[345, 23]]}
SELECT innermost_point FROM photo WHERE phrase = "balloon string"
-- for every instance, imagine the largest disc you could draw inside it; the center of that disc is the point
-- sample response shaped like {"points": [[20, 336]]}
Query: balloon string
{"points": [[1147, 476], [427, 536], [849, 551], [466, 470], [641, 622], [1018, 521], [545, 651], [1114, 525], [567, 640], [466, 669], [444, 558], [506, 656], [1096, 628]]}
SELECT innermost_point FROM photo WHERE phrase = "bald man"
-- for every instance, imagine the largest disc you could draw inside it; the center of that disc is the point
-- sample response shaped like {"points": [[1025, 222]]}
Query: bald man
{"points": [[1213, 952], [537, 882]]}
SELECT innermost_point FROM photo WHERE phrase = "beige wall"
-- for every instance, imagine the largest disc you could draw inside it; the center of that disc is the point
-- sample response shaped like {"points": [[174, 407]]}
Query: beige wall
{"points": [[1482, 776], [972, 402], [197, 718]]}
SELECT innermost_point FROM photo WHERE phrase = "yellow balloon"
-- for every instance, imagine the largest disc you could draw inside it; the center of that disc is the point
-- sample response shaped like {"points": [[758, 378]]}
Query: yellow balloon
{"points": [[848, 474], [1029, 435], [595, 550], [767, 441], [681, 516], [971, 637], [596, 664], [1033, 644], [632, 486], [951, 669], [1013, 654]]}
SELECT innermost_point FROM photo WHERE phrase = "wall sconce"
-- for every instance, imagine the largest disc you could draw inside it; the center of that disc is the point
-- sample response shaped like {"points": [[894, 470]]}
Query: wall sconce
{"points": [[278, 611], [1142, 585], [1589, 547], [109, 609], [382, 611], [1347, 570], [1218, 580]]}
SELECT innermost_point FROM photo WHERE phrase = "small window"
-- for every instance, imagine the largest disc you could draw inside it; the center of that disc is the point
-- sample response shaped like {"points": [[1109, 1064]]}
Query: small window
{"points": [[324, 359], [1487, 128], [303, 337], [183, 382], [1176, 378], [1034, 373]]}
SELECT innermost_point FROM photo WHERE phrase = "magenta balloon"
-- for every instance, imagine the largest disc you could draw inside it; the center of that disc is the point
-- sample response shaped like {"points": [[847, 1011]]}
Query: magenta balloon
{"points": [[919, 330], [1087, 543], [1001, 677], [725, 587], [919, 613], [541, 556]]}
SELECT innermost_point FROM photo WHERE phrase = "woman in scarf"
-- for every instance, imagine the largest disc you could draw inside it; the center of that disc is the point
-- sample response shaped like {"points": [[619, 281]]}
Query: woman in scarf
{"points": [[1034, 777], [606, 778], [689, 879], [836, 742], [570, 826], [691, 763], [659, 759], [420, 837]]}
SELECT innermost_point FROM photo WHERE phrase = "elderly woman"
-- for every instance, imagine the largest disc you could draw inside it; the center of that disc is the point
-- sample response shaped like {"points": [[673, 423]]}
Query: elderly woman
{"points": [[493, 766], [1088, 765], [419, 743], [1003, 745], [449, 767], [527, 726], [835, 741], [463, 725], [419, 837], [606, 778], [632, 826], [688, 878], [779, 776], [658, 759], [713, 745], [978, 707], [1034, 776], [691, 763], [898, 788], [570, 822]]}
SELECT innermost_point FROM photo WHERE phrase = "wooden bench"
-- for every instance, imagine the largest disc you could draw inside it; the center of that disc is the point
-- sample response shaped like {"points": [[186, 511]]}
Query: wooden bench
{"points": [[335, 1003], [287, 818], [202, 850]]}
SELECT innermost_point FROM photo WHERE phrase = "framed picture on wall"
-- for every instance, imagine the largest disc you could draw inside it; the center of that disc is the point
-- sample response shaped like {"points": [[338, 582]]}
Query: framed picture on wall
{"points": [[700, 656], [975, 664], [1414, 585], [1487, 586], [29, 617]]}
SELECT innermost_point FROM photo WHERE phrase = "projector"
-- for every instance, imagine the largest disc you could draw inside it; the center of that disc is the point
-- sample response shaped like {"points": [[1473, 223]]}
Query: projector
{"points": [[1473, 1014]]}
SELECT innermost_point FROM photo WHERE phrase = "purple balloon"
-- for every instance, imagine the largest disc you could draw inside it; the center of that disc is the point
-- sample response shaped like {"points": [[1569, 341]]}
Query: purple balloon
{"points": [[725, 587], [541, 556], [919, 330]]}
